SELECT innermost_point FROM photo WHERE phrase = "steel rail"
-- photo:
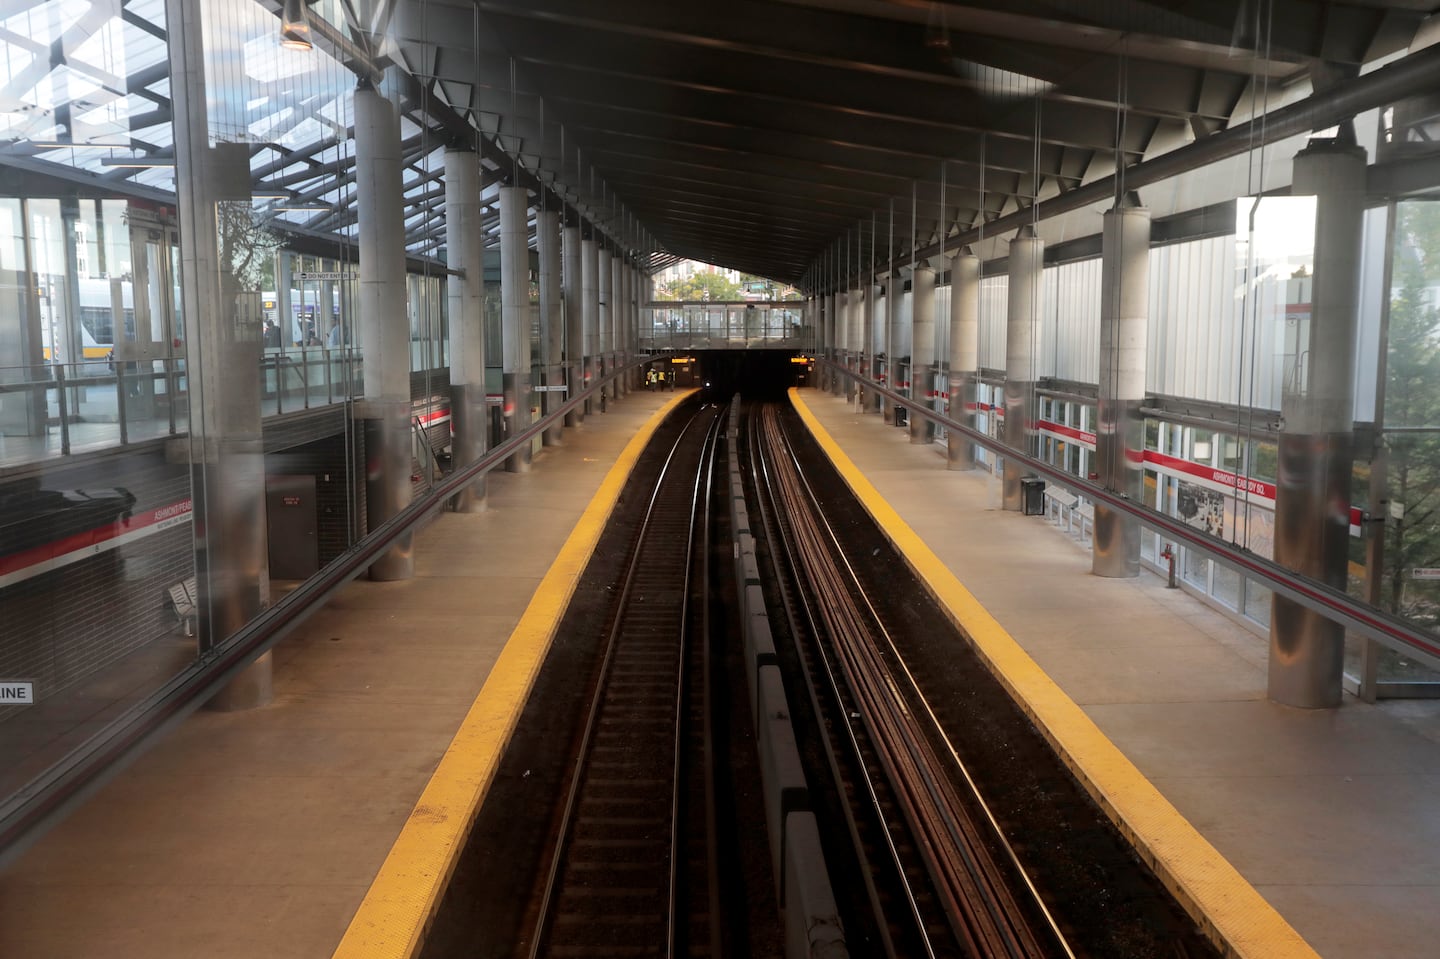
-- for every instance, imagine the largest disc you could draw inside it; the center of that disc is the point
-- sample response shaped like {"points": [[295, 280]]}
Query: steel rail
{"points": [[1384, 627], [766, 482], [699, 499], [985, 914], [897, 660], [565, 827]]}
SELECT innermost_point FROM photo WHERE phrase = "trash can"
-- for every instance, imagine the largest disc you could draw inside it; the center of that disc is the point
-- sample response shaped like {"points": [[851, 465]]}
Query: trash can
{"points": [[901, 416], [1032, 492]]}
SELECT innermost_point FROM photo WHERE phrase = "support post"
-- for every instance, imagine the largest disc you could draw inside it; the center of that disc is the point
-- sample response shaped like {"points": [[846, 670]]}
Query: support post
{"points": [[1120, 438], [552, 324], [590, 308], [922, 352], [465, 241], [384, 325], [222, 306], [574, 323], [1027, 255], [1312, 500], [515, 318], [964, 353]]}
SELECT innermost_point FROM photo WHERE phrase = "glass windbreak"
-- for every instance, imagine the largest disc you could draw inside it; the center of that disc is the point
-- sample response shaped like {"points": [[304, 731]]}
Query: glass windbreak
{"points": [[1408, 584], [154, 384]]}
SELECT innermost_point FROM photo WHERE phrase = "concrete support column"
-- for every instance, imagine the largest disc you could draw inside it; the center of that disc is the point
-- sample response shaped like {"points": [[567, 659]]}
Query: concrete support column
{"points": [[964, 352], [515, 318], [883, 365], [574, 322], [1120, 437], [605, 322], [552, 321], [590, 313], [865, 363], [617, 319], [465, 240], [1027, 257], [922, 352], [384, 324], [1312, 500], [840, 337], [222, 351], [627, 312], [284, 305]]}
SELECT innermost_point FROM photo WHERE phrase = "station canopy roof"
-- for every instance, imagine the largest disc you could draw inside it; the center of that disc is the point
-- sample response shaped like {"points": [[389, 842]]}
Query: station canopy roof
{"points": [[755, 135]]}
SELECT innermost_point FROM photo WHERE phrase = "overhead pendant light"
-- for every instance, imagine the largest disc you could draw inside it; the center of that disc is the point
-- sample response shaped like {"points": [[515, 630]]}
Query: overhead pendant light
{"points": [[295, 26]]}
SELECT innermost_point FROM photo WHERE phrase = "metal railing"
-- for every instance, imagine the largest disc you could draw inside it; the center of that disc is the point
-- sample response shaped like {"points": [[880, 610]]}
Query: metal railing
{"points": [[1385, 628], [75, 777]]}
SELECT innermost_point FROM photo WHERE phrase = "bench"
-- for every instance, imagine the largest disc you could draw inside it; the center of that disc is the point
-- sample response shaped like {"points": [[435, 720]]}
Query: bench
{"points": [[1064, 505], [183, 598]]}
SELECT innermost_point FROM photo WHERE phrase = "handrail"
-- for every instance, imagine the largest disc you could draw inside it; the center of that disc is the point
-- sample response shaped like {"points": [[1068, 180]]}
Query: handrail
{"points": [[1386, 628], [81, 772]]}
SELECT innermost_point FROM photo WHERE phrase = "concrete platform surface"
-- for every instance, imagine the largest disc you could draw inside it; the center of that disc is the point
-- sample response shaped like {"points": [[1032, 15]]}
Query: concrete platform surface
{"points": [[257, 834]]}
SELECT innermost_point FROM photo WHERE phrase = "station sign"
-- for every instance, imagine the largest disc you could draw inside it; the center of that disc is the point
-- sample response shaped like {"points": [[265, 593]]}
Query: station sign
{"points": [[17, 694]]}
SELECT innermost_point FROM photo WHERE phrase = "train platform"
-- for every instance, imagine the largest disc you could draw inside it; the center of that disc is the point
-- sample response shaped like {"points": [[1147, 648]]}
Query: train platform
{"points": [[1329, 815], [258, 833]]}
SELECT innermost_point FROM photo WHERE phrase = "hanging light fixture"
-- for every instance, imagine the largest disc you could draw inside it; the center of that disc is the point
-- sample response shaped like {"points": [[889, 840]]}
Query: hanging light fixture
{"points": [[295, 26]]}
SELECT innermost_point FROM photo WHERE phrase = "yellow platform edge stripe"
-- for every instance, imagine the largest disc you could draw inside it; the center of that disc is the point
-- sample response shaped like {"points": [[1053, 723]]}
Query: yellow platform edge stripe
{"points": [[395, 915], [1230, 912]]}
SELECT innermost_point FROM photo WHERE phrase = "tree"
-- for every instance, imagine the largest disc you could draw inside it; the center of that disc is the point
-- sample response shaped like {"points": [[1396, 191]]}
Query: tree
{"points": [[1412, 400], [706, 286]]}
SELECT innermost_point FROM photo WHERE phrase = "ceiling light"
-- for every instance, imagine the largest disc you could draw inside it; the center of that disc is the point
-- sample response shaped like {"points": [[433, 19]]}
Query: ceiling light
{"points": [[295, 26]]}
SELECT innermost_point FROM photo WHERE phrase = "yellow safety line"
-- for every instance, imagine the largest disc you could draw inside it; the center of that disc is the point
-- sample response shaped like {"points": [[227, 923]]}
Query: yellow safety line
{"points": [[1229, 910], [395, 915]]}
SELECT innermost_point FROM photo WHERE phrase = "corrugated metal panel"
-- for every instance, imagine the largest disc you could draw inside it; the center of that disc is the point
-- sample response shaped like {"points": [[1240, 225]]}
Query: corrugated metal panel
{"points": [[994, 298], [1075, 302]]}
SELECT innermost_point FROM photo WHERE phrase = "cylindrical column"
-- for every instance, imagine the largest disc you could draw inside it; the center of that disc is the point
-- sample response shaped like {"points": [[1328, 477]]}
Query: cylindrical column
{"points": [[922, 352], [881, 362], [1027, 255], [465, 243], [384, 325], [223, 310], [840, 340], [290, 333], [590, 303], [1312, 499], [854, 330], [574, 324], [866, 362], [552, 323], [515, 318], [605, 330], [1120, 438], [617, 317], [622, 321], [964, 352]]}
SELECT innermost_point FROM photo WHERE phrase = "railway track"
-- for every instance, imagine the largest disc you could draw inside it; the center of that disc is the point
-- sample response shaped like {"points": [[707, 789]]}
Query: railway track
{"points": [[938, 872], [630, 872]]}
